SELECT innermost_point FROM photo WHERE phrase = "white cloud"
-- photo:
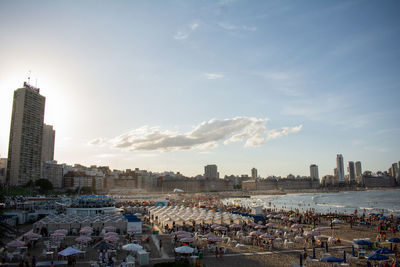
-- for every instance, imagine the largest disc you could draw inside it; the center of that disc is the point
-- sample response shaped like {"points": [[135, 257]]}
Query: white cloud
{"points": [[213, 76], [97, 141], [185, 32], [206, 135], [231, 27]]}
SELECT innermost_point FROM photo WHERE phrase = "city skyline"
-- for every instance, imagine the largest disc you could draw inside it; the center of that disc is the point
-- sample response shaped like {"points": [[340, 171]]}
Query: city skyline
{"points": [[276, 86]]}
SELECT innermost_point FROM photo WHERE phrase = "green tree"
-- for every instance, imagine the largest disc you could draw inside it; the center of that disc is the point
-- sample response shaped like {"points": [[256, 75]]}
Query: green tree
{"points": [[44, 184]]}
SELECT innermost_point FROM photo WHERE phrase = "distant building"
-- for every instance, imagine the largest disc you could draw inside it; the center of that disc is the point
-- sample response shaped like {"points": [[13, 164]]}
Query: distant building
{"points": [[340, 168], [211, 172], [394, 171], [254, 174], [53, 172], [26, 133], [3, 170], [48, 139], [351, 170], [358, 171], [314, 171]]}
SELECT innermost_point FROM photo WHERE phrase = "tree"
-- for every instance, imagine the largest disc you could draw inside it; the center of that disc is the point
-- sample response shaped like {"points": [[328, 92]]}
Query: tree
{"points": [[44, 184]]}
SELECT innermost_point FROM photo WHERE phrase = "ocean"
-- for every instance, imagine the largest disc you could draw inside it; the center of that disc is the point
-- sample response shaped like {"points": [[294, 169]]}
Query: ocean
{"points": [[370, 201]]}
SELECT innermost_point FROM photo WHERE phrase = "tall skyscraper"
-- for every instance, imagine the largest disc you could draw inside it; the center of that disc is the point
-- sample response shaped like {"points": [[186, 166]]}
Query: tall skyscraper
{"points": [[340, 167], [314, 171], [254, 173], [351, 170], [211, 172], [358, 170], [49, 136], [25, 146]]}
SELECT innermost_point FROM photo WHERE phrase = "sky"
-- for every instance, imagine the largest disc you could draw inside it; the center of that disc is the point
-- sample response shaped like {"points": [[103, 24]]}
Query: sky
{"points": [[176, 85]]}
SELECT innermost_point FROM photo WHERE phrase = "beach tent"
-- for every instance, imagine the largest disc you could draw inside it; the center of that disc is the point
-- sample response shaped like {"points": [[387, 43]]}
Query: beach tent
{"points": [[384, 251], [69, 251], [332, 259], [362, 242], [184, 250], [377, 257]]}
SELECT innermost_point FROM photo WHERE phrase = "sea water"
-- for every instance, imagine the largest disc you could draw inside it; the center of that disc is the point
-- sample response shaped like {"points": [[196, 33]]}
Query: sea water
{"points": [[370, 201]]}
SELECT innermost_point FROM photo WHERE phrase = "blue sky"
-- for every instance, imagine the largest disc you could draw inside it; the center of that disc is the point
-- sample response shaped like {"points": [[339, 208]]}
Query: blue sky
{"points": [[176, 85]]}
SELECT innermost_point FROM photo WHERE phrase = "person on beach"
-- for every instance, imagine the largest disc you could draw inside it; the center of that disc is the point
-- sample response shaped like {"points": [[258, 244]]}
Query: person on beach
{"points": [[216, 252]]}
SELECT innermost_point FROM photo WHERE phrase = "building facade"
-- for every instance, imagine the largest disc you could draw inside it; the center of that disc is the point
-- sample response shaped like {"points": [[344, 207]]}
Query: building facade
{"points": [[48, 139], [53, 172], [3, 170], [26, 133], [211, 172], [352, 171], [254, 173], [314, 171], [340, 168], [358, 170]]}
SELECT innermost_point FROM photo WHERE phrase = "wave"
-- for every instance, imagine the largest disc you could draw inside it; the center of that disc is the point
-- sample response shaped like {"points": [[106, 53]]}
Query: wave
{"points": [[332, 205]]}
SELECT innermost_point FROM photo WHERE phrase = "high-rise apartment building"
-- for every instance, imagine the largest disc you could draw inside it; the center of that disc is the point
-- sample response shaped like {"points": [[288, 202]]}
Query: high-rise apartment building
{"points": [[254, 173], [211, 172], [25, 145], [358, 170], [351, 170], [340, 167], [314, 171], [48, 139]]}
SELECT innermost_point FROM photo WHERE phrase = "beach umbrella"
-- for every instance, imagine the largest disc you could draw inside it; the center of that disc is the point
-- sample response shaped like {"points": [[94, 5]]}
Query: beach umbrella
{"points": [[255, 233], [83, 239], [383, 251], [58, 234], [332, 259], [112, 238], [235, 226], [110, 234], [15, 243], [336, 221], [31, 235], [69, 251], [377, 257], [132, 247], [267, 236], [184, 250], [214, 239], [187, 240], [220, 228], [394, 240], [311, 233], [383, 217]]}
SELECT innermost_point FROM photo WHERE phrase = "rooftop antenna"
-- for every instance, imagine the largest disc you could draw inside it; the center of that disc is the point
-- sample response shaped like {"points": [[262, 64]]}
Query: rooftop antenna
{"points": [[29, 77]]}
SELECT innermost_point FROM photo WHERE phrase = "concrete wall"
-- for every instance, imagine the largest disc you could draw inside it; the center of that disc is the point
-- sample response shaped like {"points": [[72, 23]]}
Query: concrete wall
{"points": [[277, 184]]}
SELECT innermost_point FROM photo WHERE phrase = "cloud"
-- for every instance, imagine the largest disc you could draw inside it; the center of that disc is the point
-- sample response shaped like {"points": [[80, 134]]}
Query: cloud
{"points": [[231, 27], [97, 141], [185, 32], [206, 135], [213, 76]]}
